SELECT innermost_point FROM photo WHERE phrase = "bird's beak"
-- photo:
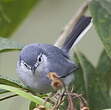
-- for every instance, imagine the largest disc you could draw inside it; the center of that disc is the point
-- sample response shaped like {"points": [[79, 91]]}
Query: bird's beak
{"points": [[34, 68]]}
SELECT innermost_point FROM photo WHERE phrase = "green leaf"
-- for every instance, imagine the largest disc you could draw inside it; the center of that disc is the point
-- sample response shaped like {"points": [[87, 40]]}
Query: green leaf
{"points": [[32, 106], [97, 98], [79, 80], [101, 12], [64, 105], [104, 68], [6, 1], [26, 95], [2, 91], [7, 81], [106, 4], [12, 13], [8, 45], [108, 109]]}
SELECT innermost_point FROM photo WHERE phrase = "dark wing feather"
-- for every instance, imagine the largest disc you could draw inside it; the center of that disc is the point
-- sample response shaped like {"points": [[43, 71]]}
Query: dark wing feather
{"points": [[80, 26]]}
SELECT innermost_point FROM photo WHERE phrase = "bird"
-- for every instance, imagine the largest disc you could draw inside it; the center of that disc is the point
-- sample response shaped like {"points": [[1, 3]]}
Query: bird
{"points": [[37, 60]]}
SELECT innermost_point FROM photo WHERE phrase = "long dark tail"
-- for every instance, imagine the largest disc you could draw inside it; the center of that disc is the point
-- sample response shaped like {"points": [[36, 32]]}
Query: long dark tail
{"points": [[78, 29]]}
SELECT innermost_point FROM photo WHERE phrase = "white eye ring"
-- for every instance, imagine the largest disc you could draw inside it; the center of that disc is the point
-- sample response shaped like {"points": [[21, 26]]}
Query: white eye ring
{"points": [[40, 59], [26, 65]]}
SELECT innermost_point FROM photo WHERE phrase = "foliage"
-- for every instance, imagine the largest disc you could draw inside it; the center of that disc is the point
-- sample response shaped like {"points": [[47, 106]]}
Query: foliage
{"points": [[32, 105], [101, 12], [24, 94], [12, 13], [8, 45], [93, 82], [97, 91]]}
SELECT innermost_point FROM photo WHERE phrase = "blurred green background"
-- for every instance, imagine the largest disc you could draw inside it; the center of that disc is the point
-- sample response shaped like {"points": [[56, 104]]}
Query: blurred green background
{"points": [[43, 25]]}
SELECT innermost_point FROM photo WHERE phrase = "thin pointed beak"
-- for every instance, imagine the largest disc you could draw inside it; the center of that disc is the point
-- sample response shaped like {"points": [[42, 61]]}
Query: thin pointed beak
{"points": [[34, 68]]}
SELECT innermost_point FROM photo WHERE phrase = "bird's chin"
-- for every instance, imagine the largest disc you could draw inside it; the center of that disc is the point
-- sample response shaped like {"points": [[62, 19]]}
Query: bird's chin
{"points": [[33, 81], [37, 83]]}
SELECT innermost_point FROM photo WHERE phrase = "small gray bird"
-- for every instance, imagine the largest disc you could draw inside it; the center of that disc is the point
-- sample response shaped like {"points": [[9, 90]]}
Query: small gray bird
{"points": [[37, 60]]}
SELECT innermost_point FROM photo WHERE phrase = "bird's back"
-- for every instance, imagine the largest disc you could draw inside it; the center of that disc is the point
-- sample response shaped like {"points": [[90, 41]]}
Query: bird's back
{"points": [[59, 60]]}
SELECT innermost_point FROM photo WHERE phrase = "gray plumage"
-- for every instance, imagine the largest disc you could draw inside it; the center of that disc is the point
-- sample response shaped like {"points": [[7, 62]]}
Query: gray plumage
{"points": [[37, 60], [59, 61]]}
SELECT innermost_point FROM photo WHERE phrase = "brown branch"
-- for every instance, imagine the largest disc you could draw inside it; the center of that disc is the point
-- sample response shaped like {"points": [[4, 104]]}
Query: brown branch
{"points": [[71, 24], [71, 105]]}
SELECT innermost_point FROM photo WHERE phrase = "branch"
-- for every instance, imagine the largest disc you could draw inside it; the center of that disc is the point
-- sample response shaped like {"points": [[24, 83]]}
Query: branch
{"points": [[72, 22]]}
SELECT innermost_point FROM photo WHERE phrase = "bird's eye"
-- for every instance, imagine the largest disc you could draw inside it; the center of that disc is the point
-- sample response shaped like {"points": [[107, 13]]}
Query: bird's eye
{"points": [[40, 59]]}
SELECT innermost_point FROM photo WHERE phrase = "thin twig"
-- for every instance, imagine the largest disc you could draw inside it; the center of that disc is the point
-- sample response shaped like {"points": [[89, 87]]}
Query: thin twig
{"points": [[71, 105], [59, 101], [4, 98], [83, 102], [71, 24]]}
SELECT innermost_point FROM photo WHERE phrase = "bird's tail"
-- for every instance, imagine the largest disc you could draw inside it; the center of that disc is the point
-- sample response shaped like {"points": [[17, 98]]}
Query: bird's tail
{"points": [[81, 27]]}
